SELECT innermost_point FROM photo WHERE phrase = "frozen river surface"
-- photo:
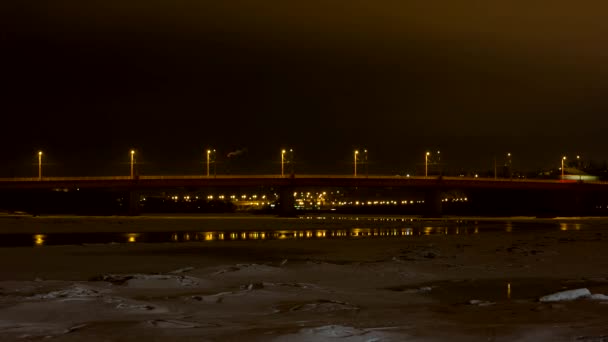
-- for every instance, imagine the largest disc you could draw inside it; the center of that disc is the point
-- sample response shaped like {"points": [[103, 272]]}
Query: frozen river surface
{"points": [[303, 279]]}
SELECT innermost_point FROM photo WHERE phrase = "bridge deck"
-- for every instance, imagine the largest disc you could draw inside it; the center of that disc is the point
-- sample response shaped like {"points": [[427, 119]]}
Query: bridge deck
{"points": [[195, 181]]}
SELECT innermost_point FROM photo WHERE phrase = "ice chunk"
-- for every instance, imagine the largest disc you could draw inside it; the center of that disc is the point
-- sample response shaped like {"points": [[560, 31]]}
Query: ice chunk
{"points": [[423, 289], [182, 270], [598, 296], [480, 302], [566, 295]]}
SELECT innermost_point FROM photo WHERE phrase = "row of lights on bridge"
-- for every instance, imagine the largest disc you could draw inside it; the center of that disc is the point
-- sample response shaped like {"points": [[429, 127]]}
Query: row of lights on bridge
{"points": [[287, 157]]}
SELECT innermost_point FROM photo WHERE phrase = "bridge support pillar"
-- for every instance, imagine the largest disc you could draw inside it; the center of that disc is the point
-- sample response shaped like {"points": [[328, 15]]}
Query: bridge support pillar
{"points": [[432, 203], [287, 202], [133, 203]]}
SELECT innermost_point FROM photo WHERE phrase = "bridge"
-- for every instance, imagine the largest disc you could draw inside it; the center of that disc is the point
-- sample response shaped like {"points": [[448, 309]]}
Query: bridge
{"points": [[173, 181], [431, 186]]}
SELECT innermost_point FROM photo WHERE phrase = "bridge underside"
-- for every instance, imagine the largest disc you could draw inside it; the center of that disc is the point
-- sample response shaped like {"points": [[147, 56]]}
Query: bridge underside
{"points": [[482, 202]]}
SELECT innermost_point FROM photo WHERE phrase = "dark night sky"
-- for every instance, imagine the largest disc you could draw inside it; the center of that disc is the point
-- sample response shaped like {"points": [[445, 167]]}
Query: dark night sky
{"points": [[87, 80]]}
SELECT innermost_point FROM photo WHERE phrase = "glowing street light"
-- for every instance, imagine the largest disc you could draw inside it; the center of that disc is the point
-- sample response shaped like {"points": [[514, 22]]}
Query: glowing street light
{"points": [[132, 163], [365, 162], [563, 158], [208, 157], [510, 162], [438, 161], [39, 165], [426, 164], [283, 162], [356, 154], [209, 152]]}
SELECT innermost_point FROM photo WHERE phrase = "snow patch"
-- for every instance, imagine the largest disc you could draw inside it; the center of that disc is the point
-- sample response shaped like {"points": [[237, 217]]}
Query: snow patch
{"points": [[150, 280], [341, 333], [247, 268], [75, 292], [480, 302], [335, 331], [296, 285], [134, 306], [324, 306], [423, 289]]}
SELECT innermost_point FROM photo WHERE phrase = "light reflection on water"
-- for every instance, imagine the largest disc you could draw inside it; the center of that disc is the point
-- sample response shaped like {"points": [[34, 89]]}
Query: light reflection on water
{"points": [[132, 237], [409, 228], [209, 236], [564, 226], [39, 239], [308, 234]]}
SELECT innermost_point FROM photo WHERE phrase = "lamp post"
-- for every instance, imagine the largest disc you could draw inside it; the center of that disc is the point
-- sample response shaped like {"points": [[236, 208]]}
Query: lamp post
{"points": [[426, 164], [39, 165], [132, 163], [356, 154], [579, 167], [208, 160], [288, 160], [509, 162], [365, 162], [438, 162], [283, 162], [563, 158]]}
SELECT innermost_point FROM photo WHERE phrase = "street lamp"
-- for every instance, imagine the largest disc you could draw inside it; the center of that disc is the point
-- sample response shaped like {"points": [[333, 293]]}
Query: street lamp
{"points": [[563, 158], [283, 162], [438, 162], [356, 154], [426, 164], [509, 161], [209, 160], [132, 163], [39, 165], [365, 162], [285, 159]]}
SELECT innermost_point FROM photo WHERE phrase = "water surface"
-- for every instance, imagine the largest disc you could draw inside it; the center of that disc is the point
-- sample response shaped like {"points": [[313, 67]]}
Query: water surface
{"points": [[305, 228]]}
